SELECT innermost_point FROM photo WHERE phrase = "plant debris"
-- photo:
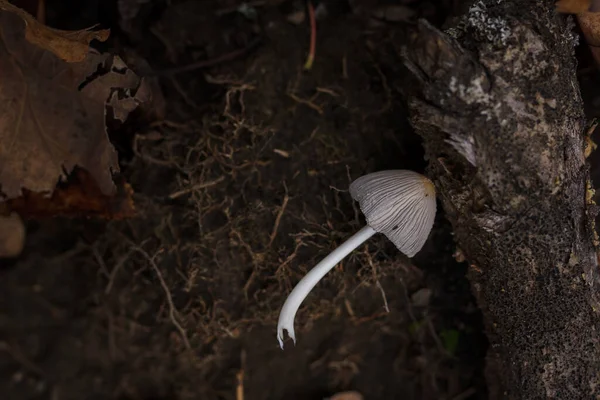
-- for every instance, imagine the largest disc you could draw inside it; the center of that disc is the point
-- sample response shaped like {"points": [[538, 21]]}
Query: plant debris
{"points": [[80, 196], [12, 235], [54, 98], [70, 46]]}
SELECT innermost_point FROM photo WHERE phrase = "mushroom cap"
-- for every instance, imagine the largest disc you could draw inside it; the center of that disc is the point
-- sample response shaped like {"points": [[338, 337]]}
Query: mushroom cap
{"points": [[398, 203]]}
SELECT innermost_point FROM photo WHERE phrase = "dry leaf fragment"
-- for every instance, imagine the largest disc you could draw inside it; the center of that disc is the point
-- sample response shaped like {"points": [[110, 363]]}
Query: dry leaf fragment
{"points": [[590, 27], [588, 16], [573, 6], [52, 113], [577, 6], [79, 197], [71, 46], [12, 235]]}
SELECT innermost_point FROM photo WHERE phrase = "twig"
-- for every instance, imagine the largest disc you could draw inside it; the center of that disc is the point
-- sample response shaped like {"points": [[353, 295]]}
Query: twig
{"points": [[199, 186], [135, 147], [171, 53], [211, 62], [239, 390], [376, 279], [282, 153], [248, 283], [330, 92], [313, 36], [308, 103], [385, 303], [183, 93], [172, 309], [354, 207], [286, 198], [19, 357], [465, 395], [100, 260], [113, 273]]}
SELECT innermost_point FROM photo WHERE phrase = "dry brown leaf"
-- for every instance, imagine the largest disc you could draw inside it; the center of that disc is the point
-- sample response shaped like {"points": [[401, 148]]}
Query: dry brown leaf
{"points": [[79, 197], [71, 46], [12, 235], [52, 113], [573, 6], [588, 17], [590, 26]]}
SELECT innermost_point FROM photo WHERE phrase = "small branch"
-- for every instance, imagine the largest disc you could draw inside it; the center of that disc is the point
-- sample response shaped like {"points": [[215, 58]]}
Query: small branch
{"points": [[239, 390], [286, 198], [211, 62], [199, 186], [313, 36], [385, 302]]}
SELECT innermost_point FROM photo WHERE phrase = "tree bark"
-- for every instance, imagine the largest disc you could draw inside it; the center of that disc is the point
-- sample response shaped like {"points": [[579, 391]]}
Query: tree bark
{"points": [[500, 113]]}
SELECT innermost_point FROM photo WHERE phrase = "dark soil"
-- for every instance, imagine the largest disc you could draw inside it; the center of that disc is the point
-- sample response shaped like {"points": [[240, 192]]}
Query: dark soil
{"points": [[241, 188]]}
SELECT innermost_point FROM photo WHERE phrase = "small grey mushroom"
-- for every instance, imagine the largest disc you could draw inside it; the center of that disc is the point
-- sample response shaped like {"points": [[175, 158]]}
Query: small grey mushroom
{"points": [[398, 203]]}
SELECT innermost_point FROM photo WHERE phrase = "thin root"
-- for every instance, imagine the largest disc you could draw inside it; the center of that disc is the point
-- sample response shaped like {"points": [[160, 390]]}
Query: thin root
{"points": [[194, 188], [313, 37], [172, 310], [286, 198]]}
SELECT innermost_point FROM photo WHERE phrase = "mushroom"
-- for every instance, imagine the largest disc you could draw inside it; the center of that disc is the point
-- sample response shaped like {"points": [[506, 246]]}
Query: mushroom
{"points": [[398, 203]]}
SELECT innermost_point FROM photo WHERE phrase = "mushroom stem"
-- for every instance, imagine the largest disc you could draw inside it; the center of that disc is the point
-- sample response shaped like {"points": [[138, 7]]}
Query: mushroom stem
{"points": [[303, 288]]}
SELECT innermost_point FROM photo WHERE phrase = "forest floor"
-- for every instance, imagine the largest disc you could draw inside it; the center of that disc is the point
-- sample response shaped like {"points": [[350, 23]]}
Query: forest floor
{"points": [[241, 187]]}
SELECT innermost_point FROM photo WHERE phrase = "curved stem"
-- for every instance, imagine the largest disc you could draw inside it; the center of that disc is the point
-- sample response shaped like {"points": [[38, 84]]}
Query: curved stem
{"points": [[303, 288]]}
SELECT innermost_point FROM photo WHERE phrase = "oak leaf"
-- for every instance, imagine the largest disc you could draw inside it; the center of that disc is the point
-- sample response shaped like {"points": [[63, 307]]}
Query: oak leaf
{"points": [[52, 112]]}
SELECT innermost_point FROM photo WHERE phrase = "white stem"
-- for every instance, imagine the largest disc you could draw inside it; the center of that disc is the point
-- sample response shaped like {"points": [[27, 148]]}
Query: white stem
{"points": [[303, 288]]}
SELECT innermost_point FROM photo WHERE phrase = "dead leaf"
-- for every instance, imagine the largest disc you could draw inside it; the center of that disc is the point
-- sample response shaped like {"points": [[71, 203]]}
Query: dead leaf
{"points": [[589, 23], [79, 197], [573, 6], [588, 17], [52, 113], [121, 101], [71, 46], [12, 235], [154, 108]]}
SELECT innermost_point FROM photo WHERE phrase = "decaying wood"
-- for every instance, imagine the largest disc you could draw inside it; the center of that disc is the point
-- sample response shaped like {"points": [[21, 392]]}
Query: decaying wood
{"points": [[499, 109]]}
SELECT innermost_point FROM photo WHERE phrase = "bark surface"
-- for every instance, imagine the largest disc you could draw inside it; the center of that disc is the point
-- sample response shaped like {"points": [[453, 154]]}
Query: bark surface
{"points": [[501, 116]]}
